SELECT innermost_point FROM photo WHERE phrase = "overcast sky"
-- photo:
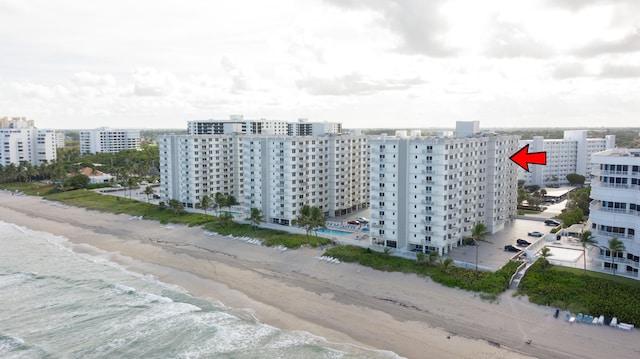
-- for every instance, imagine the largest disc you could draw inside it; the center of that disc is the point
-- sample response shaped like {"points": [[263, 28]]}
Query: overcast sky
{"points": [[376, 63]]}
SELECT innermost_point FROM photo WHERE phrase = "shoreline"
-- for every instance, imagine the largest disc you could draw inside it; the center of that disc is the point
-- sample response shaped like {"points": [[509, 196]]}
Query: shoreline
{"points": [[349, 305]]}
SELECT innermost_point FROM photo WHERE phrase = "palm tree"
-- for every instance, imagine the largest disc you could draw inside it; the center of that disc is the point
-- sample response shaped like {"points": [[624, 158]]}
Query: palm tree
{"points": [[585, 239], [478, 233], [545, 253], [205, 203], [311, 218], [220, 201], [615, 246], [131, 182], [148, 191], [231, 201], [256, 218]]}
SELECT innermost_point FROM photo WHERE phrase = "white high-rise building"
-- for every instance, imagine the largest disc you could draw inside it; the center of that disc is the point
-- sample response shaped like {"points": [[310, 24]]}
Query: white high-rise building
{"points": [[571, 154], [284, 173], [20, 141], [615, 208], [194, 166], [428, 192], [108, 140], [277, 174]]}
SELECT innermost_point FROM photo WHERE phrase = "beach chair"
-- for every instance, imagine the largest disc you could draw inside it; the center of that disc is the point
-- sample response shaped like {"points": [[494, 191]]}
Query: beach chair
{"points": [[579, 317], [601, 320], [614, 322], [567, 316], [572, 319], [625, 326], [595, 320]]}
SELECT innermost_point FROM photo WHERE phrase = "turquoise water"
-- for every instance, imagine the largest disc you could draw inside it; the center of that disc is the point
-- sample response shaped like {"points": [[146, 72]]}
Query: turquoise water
{"points": [[337, 232], [60, 304]]}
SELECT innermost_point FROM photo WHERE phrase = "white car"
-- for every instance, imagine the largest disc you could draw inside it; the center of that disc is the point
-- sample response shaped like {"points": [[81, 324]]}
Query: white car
{"points": [[362, 220]]}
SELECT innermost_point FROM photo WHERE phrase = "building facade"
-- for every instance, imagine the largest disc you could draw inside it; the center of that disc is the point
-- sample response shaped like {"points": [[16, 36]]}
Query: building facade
{"points": [[21, 142], [428, 192], [108, 140], [572, 154], [284, 173], [615, 208], [277, 174], [194, 166]]}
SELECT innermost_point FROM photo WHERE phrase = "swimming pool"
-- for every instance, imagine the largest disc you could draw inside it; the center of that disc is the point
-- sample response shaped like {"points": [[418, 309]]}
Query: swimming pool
{"points": [[334, 231]]}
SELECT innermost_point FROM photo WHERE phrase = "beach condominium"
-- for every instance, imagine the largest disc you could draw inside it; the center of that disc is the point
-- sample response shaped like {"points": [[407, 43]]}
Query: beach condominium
{"points": [[21, 142], [108, 140], [571, 154], [284, 173], [615, 208], [428, 192], [277, 174], [194, 166]]}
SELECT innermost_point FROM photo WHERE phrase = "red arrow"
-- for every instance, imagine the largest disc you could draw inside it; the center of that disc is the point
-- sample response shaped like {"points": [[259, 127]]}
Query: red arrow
{"points": [[522, 158]]}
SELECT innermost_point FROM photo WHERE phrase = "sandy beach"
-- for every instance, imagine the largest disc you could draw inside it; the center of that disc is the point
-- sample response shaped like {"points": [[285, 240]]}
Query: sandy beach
{"points": [[349, 305]]}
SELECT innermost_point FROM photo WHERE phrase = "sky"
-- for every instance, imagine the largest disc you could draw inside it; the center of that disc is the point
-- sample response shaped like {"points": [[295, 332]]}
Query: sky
{"points": [[71, 64]]}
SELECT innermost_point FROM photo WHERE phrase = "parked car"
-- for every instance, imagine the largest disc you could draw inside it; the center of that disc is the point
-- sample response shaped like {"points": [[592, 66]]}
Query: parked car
{"points": [[511, 248], [522, 242], [551, 222], [155, 196], [536, 234], [362, 220], [354, 222]]}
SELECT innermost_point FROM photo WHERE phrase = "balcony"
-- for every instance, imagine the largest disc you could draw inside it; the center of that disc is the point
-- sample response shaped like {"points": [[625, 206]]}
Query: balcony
{"points": [[611, 235], [625, 261]]}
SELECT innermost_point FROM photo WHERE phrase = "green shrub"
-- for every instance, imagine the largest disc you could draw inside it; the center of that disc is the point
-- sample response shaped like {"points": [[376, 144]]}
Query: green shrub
{"points": [[593, 294], [454, 277]]}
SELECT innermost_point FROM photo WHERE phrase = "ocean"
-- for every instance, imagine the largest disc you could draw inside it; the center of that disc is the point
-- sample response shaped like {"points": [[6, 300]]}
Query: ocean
{"points": [[55, 303]]}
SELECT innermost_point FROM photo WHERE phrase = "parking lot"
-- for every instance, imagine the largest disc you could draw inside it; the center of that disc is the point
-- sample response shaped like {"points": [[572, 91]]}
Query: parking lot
{"points": [[491, 253]]}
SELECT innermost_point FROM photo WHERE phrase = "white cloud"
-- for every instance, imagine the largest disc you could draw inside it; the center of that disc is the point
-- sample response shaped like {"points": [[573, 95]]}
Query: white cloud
{"points": [[626, 44], [153, 82], [93, 80], [353, 84]]}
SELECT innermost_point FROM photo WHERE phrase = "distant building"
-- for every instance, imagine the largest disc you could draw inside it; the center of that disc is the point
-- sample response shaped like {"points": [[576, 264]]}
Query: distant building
{"points": [[60, 137], [16, 122], [20, 141], [108, 140], [428, 192], [572, 154], [615, 209], [238, 125]]}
